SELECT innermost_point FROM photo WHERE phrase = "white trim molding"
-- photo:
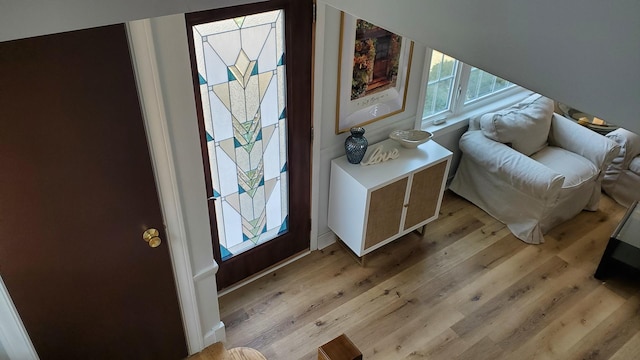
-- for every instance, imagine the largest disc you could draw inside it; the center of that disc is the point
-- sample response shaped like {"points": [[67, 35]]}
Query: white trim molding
{"points": [[326, 239], [13, 335], [217, 334], [318, 66], [152, 104], [212, 270]]}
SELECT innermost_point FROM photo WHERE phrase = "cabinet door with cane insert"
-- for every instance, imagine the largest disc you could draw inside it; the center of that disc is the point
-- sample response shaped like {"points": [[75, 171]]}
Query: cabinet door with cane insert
{"points": [[425, 192], [385, 212]]}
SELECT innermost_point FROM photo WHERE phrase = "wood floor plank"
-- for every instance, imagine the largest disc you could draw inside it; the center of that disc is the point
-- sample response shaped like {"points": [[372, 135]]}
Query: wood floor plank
{"points": [[485, 288], [630, 350], [571, 326], [377, 298], [440, 347], [531, 286], [485, 348], [426, 325], [414, 323], [538, 313], [569, 289], [611, 334], [468, 289], [339, 287], [333, 289]]}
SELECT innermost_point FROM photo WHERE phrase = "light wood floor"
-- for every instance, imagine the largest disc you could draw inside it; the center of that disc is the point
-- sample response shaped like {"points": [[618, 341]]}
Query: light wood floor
{"points": [[468, 290]]}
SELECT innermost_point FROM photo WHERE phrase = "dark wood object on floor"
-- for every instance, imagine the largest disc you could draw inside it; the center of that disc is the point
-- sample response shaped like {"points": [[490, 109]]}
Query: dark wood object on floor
{"points": [[623, 249], [340, 348]]}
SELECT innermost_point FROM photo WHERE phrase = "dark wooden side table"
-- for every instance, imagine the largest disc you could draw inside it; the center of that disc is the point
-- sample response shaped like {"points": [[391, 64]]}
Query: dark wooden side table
{"points": [[340, 348], [623, 250]]}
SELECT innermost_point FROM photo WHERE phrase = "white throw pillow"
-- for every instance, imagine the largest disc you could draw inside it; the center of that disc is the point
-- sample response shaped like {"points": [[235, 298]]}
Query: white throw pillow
{"points": [[525, 126]]}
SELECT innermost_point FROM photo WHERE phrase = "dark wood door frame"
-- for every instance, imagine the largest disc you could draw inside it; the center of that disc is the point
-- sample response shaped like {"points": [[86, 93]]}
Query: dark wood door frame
{"points": [[298, 27]]}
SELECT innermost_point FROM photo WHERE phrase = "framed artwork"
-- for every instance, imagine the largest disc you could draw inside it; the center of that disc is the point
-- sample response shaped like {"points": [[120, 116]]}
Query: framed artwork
{"points": [[373, 73]]}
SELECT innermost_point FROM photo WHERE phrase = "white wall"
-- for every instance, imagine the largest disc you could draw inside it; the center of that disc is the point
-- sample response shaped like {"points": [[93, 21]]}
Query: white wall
{"points": [[585, 53], [581, 52], [3, 353], [20, 19]]}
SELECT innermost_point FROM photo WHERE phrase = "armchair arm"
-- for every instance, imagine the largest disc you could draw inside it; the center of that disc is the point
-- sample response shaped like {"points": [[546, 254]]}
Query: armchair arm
{"points": [[571, 136], [629, 147], [520, 171]]}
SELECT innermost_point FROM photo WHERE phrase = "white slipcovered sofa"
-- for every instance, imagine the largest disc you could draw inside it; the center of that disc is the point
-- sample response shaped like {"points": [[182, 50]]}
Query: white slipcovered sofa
{"points": [[622, 178], [531, 168]]}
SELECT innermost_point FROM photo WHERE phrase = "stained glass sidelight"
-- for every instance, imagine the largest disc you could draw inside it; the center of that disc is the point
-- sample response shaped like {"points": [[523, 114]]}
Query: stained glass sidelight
{"points": [[241, 69]]}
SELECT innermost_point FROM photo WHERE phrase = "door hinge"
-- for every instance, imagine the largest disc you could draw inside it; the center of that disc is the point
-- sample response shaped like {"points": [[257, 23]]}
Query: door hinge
{"points": [[312, 133], [315, 14]]}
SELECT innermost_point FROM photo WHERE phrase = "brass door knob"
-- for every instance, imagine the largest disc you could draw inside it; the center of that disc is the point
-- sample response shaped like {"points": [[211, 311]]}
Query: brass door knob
{"points": [[151, 236]]}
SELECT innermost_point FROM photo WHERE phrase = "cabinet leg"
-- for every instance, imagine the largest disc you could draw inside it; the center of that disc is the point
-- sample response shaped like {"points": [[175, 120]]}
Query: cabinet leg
{"points": [[358, 259], [421, 231]]}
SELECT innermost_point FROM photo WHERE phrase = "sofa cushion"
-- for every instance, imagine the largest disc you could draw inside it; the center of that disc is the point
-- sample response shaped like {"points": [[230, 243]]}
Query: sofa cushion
{"points": [[629, 146], [635, 165], [575, 168], [525, 126]]}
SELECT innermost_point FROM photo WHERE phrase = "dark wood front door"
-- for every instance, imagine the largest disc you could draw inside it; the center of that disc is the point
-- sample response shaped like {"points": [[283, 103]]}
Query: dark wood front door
{"points": [[251, 69], [77, 192]]}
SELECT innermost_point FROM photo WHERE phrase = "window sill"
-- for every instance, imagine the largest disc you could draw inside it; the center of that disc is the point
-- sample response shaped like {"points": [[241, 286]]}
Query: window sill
{"points": [[462, 120]]}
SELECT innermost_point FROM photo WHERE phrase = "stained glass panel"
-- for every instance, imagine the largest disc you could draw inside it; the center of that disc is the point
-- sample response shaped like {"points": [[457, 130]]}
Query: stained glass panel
{"points": [[241, 70]]}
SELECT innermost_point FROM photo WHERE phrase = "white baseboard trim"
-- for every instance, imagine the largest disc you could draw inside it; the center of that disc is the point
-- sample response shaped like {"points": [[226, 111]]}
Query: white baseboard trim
{"points": [[217, 334], [326, 239]]}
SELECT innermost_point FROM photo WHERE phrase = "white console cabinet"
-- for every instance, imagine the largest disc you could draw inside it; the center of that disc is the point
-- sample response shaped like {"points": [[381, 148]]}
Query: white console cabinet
{"points": [[370, 206]]}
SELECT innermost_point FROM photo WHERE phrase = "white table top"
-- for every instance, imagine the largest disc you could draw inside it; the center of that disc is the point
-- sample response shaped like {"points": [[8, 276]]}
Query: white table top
{"points": [[409, 160]]}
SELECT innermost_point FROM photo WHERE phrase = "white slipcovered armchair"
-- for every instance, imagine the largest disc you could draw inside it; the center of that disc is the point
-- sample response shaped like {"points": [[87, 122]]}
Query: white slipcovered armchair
{"points": [[622, 178], [531, 168]]}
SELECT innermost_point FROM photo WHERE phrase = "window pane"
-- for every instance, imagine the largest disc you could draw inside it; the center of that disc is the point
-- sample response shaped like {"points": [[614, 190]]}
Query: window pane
{"points": [[482, 83], [241, 68], [440, 85]]}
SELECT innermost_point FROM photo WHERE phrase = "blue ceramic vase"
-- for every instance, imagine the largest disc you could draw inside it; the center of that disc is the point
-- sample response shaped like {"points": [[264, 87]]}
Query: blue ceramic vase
{"points": [[355, 145]]}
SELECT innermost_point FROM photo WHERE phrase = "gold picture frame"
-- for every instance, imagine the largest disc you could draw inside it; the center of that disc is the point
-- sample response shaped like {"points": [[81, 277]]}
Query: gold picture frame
{"points": [[373, 73]]}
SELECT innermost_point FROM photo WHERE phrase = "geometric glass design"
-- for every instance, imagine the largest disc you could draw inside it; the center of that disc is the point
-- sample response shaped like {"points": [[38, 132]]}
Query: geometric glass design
{"points": [[241, 71]]}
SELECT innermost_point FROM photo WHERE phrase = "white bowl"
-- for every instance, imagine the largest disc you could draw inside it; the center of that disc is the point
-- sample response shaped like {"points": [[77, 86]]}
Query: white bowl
{"points": [[410, 138]]}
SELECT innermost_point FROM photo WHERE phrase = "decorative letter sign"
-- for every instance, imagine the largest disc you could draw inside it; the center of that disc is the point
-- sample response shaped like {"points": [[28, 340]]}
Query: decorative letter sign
{"points": [[379, 156]]}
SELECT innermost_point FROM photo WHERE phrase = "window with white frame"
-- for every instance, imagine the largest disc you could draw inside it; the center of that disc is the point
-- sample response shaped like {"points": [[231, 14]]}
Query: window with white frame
{"points": [[454, 87]]}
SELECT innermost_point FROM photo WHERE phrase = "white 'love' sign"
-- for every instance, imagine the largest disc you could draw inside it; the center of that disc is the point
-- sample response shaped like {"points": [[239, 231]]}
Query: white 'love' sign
{"points": [[379, 156]]}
